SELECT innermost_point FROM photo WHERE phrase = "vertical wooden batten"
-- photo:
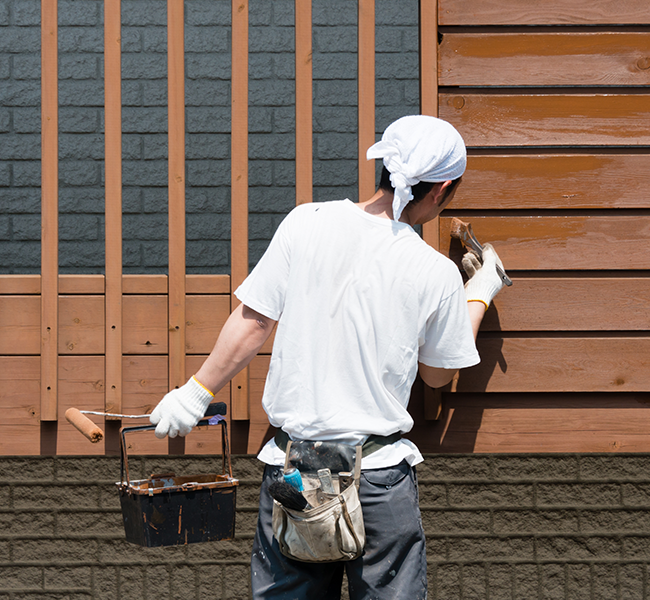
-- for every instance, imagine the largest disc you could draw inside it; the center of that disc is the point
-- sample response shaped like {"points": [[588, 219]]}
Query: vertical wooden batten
{"points": [[49, 209], [304, 102], [176, 182], [239, 183], [429, 87], [113, 176], [366, 96], [429, 106]]}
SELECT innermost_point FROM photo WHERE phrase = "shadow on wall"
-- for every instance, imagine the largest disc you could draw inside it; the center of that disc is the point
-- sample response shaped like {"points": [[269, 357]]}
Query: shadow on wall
{"points": [[457, 427]]}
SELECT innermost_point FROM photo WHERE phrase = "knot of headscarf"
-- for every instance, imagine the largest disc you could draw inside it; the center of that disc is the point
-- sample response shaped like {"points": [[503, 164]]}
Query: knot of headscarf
{"points": [[419, 148]]}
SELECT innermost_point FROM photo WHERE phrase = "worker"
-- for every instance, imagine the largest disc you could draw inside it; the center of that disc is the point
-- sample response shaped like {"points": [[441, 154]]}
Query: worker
{"points": [[362, 303]]}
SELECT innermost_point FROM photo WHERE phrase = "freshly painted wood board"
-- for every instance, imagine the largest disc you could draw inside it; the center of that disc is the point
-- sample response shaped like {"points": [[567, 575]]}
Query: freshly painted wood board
{"points": [[207, 284], [559, 242], [571, 304], [145, 324], [559, 364], [81, 325], [20, 325], [20, 284], [544, 59], [535, 119], [549, 12], [20, 432], [81, 385], [144, 284], [538, 423], [554, 181]]}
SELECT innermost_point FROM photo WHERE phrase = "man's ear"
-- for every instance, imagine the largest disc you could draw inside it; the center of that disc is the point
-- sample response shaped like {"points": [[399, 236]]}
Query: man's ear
{"points": [[438, 191]]}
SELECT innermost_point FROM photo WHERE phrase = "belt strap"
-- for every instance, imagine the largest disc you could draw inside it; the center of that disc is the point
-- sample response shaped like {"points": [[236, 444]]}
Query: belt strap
{"points": [[372, 444]]}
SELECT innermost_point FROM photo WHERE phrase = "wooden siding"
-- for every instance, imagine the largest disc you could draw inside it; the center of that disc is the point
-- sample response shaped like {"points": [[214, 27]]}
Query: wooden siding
{"points": [[555, 119]]}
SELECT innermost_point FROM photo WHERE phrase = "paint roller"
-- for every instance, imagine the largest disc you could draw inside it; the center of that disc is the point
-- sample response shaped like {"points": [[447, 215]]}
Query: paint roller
{"points": [[463, 231], [94, 433]]}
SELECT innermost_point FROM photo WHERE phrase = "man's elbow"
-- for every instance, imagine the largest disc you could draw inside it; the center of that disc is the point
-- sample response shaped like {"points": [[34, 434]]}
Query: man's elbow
{"points": [[436, 377]]}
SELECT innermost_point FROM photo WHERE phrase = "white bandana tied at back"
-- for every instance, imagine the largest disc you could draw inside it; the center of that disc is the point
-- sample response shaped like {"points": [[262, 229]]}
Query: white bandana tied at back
{"points": [[419, 148]]}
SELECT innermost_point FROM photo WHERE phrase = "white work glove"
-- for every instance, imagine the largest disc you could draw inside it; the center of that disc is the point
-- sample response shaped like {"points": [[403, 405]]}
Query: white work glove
{"points": [[484, 281], [180, 410]]}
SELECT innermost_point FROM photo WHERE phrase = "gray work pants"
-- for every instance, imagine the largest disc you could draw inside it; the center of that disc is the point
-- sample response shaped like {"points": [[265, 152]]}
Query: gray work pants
{"points": [[392, 567]]}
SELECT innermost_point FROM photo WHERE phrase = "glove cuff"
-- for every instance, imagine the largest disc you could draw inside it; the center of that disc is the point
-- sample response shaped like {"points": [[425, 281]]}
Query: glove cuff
{"points": [[482, 290]]}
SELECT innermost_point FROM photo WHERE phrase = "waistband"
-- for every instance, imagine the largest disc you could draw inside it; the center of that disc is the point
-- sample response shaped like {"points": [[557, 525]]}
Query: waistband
{"points": [[372, 444]]}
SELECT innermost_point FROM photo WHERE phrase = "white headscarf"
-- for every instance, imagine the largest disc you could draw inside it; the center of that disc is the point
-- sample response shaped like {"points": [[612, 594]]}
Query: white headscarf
{"points": [[419, 148]]}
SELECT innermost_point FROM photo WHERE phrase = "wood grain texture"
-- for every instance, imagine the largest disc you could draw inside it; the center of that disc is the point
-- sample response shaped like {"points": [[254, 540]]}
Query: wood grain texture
{"points": [[206, 316], [535, 119], [545, 59], [81, 325], [606, 364], [239, 181], [144, 284], [81, 385], [20, 325], [176, 179], [555, 181], [146, 381], [20, 405], [207, 284], [549, 12], [304, 102], [145, 325], [538, 423], [49, 208], [260, 431], [113, 201], [560, 242], [428, 29], [571, 304], [366, 96], [20, 284]]}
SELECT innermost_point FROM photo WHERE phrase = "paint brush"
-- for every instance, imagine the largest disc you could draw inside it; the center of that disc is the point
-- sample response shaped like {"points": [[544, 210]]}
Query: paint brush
{"points": [[288, 496]]}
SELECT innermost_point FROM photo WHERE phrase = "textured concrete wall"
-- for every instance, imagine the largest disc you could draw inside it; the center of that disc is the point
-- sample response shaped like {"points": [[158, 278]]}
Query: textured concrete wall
{"points": [[500, 527], [144, 98]]}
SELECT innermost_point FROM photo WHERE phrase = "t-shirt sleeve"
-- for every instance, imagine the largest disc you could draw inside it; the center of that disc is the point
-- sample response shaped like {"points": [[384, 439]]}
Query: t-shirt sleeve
{"points": [[265, 288], [447, 340]]}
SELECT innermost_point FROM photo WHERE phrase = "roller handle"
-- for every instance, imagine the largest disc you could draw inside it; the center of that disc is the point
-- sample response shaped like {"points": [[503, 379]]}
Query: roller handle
{"points": [[84, 425]]}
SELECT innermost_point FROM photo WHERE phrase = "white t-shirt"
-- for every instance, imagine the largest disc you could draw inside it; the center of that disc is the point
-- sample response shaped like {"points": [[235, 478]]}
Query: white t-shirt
{"points": [[359, 301]]}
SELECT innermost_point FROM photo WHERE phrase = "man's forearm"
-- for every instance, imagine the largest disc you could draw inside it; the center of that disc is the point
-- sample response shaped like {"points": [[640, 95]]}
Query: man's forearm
{"points": [[241, 338], [476, 313]]}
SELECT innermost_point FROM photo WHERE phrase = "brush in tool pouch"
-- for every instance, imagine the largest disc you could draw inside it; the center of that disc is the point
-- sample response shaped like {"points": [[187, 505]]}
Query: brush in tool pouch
{"points": [[332, 529]]}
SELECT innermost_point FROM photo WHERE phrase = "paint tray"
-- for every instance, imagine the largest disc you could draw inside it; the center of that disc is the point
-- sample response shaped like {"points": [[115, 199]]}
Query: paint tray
{"points": [[169, 510]]}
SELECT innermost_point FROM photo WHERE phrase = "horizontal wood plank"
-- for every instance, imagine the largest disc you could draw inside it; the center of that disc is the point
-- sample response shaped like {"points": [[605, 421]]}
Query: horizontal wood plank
{"points": [[549, 12], [206, 315], [538, 423], [560, 242], [81, 325], [207, 284], [534, 119], [556, 181], [605, 364], [145, 326], [571, 304], [144, 284], [20, 405], [146, 381], [20, 325], [81, 385], [81, 284], [545, 59], [20, 284]]}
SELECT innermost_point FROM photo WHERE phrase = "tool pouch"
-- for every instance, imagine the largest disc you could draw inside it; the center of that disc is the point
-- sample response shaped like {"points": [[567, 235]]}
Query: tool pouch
{"points": [[332, 530]]}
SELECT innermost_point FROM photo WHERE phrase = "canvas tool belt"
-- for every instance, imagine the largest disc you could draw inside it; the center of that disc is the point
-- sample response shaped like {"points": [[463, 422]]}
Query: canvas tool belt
{"points": [[332, 530]]}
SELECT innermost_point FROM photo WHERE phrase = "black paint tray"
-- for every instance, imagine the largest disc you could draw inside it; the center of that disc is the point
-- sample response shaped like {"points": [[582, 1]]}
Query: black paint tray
{"points": [[169, 510]]}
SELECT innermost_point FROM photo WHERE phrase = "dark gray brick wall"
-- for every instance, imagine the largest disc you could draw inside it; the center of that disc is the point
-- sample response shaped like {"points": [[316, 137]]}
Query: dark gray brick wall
{"points": [[499, 527], [207, 88]]}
